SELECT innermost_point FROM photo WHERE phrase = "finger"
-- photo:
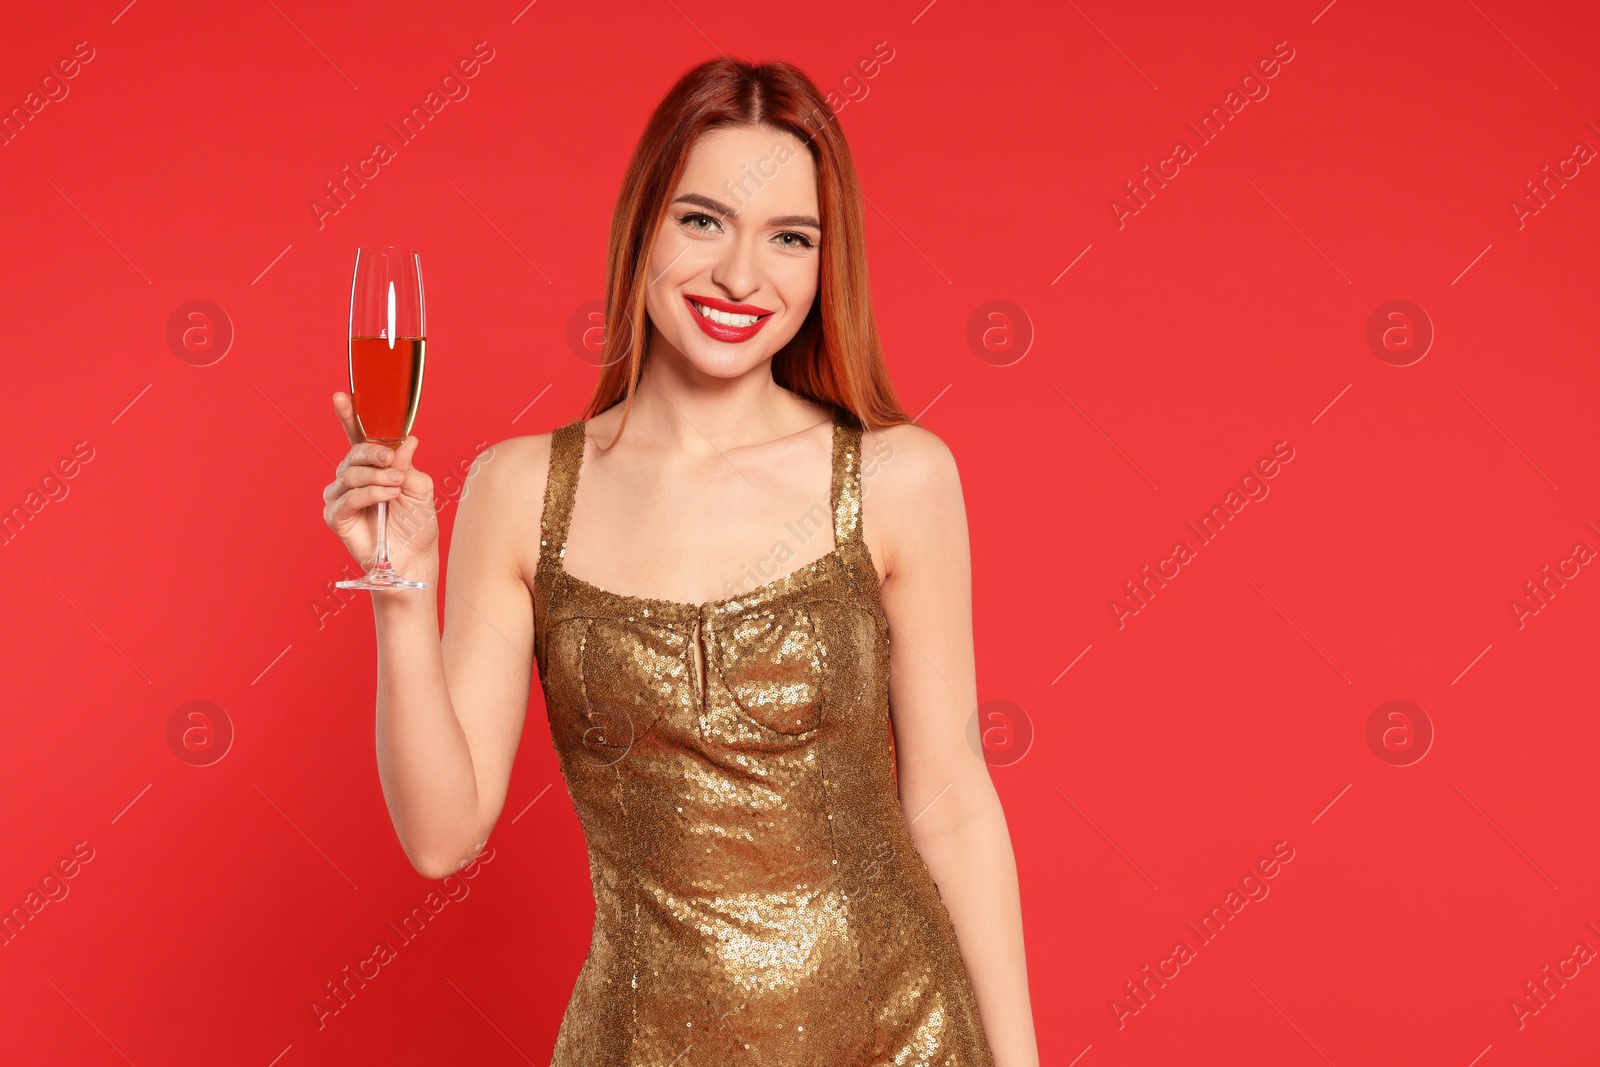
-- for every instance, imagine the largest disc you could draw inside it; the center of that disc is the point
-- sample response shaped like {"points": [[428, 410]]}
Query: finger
{"points": [[345, 407], [366, 454], [404, 454], [418, 486], [358, 476], [357, 500]]}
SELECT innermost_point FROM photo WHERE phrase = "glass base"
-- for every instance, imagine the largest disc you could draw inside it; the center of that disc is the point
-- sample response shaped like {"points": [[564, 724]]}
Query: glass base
{"points": [[384, 577]]}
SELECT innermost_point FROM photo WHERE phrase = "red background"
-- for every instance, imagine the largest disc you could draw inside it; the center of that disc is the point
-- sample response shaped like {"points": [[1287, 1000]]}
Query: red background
{"points": [[188, 556]]}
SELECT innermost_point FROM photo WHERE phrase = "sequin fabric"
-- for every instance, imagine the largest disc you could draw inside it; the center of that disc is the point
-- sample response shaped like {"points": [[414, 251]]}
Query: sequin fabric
{"points": [[758, 899]]}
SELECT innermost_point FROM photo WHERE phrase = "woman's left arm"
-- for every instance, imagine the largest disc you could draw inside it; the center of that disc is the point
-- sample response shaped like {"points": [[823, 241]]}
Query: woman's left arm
{"points": [[951, 808]]}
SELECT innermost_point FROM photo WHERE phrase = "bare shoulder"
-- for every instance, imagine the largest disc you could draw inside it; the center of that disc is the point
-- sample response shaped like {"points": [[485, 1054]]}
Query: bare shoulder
{"points": [[508, 471], [910, 477], [500, 495]]}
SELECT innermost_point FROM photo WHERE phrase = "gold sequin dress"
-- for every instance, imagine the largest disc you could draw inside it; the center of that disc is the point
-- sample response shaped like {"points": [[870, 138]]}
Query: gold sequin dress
{"points": [[758, 899]]}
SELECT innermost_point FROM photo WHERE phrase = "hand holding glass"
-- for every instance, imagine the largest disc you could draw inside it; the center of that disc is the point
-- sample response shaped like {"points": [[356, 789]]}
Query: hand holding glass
{"points": [[388, 334]]}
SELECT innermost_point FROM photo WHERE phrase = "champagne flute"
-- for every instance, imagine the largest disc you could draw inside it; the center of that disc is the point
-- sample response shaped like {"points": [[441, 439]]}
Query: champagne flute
{"points": [[388, 334]]}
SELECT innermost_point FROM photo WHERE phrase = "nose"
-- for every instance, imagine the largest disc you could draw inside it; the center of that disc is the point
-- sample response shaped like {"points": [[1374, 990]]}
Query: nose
{"points": [[738, 268]]}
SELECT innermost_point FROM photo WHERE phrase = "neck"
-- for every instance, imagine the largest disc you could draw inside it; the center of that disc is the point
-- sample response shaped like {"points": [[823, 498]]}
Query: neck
{"points": [[681, 407]]}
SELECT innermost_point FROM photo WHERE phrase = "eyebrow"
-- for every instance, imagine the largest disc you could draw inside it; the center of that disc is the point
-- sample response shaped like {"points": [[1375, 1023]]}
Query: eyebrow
{"points": [[723, 209]]}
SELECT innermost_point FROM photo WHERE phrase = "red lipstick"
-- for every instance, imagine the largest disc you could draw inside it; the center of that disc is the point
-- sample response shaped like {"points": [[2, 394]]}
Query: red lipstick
{"points": [[719, 331]]}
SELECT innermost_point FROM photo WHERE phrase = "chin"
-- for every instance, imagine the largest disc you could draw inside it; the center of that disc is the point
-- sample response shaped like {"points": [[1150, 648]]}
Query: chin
{"points": [[722, 360], [728, 364]]}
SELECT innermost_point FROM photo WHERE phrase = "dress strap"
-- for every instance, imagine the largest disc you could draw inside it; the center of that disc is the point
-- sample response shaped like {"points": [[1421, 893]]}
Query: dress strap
{"points": [[566, 455], [847, 432]]}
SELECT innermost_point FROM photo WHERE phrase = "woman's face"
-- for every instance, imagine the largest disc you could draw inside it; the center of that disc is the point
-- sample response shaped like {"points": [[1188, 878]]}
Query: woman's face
{"points": [[740, 239]]}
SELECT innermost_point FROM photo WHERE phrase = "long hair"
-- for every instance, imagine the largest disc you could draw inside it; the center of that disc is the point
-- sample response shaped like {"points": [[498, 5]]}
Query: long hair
{"points": [[835, 357]]}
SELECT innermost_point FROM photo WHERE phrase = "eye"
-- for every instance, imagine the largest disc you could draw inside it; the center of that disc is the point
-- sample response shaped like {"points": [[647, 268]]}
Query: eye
{"points": [[693, 215], [805, 242]]}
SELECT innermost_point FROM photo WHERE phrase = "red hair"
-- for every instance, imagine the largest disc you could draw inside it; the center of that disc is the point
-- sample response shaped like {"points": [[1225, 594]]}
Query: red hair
{"points": [[835, 357]]}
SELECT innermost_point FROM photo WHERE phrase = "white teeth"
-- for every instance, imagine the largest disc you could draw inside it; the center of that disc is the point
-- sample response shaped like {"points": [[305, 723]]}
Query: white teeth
{"points": [[726, 318]]}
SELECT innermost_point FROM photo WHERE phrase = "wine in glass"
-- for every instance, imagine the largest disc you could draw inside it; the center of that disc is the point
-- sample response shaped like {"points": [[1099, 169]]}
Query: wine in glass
{"points": [[388, 334]]}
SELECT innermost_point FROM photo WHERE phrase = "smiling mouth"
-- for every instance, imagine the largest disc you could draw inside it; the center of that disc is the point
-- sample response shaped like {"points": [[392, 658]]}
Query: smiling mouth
{"points": [[725, 318]]}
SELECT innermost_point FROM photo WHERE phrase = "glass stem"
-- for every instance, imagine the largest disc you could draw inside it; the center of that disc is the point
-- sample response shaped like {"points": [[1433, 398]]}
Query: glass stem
{"points": [[380, 562]]}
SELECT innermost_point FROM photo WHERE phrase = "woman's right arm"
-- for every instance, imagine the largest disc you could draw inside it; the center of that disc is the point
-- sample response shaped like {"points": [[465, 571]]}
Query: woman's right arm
{"points": [[450, 710]]}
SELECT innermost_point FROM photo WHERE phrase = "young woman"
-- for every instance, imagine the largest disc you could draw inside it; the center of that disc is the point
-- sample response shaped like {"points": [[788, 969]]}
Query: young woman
{"points": [[759, 687]]}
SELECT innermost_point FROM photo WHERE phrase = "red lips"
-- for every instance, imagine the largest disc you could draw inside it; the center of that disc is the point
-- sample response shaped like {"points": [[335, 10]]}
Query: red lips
{"points": [[719, 332], [723, 305]]}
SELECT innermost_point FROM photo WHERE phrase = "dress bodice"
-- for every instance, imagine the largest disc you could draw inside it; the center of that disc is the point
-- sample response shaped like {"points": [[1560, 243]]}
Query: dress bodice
{"points": [[758, 898]]}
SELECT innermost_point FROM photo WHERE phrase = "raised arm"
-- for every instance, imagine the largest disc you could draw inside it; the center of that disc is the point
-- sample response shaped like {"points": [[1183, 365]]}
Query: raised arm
{"points": [[450, 709], [953, 813]]}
